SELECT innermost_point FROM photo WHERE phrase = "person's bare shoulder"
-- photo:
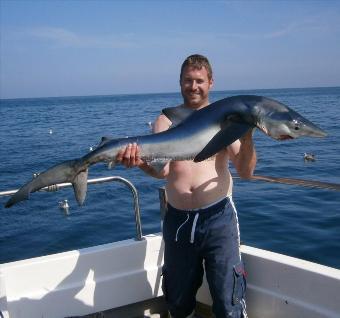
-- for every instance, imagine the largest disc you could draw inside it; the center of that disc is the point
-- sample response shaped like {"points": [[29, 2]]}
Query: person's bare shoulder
{"points": [[162, 123]]}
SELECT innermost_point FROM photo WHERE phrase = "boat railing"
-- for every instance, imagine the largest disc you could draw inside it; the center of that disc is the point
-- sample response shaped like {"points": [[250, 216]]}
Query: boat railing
{"points": [[162, 193], [56, 187], [288, 181]]}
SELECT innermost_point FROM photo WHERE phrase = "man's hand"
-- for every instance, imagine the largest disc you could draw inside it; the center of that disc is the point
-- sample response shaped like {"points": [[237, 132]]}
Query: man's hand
{"points": [[248, 136], [130, 156]]}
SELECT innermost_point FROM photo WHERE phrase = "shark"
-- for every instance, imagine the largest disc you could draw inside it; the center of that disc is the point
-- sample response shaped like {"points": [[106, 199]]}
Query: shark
{"points": [[198, 136]]}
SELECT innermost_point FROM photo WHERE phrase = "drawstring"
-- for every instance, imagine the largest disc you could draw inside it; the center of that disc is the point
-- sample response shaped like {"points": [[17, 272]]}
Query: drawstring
{"points": [[197, 213], [176, 239], [192, 235]]}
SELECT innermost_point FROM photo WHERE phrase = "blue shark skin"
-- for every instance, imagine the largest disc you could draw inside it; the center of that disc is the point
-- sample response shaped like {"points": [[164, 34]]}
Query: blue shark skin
{"points": [[201, 135]]}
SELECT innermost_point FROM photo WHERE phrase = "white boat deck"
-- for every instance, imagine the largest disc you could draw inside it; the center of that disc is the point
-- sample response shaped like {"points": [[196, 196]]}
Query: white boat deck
{"points": [[123, 280], [111, 276]]}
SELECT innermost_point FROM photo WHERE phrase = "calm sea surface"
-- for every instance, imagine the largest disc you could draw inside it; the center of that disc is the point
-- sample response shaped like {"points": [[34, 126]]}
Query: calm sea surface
{"points": [[296, 221]]}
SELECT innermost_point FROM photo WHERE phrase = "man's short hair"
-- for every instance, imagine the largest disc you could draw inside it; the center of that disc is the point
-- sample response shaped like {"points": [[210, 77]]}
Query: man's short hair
{"points": [[197, 61]]}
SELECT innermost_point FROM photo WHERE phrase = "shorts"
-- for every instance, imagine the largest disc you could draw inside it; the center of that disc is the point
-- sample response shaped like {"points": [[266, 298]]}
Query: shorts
{"points": [[197, 240]]}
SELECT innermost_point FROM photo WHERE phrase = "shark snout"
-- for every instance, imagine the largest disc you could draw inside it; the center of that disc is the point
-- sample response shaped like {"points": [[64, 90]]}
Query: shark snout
{"points": [[320, 133], [314, 131]]}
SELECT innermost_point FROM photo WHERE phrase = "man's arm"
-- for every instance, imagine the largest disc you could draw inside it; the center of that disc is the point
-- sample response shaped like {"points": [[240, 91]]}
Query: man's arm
{"points": [[130, 156], [243, 155]]}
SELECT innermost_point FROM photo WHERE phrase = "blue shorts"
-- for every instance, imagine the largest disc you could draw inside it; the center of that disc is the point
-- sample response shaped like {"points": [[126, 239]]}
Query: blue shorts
{"points": [[206, 237]]}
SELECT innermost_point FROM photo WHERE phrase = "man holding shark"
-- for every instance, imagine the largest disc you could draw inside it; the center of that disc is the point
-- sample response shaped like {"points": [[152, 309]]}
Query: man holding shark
{"points": [[201, 225]]}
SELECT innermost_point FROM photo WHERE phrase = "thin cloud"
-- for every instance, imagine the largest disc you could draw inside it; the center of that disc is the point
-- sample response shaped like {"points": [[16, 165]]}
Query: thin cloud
{"points": [[306, 26], [66, 38]]}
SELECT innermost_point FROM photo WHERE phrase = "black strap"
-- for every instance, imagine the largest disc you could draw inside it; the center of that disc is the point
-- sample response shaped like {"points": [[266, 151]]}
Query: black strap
{"points": [[177, 114]]}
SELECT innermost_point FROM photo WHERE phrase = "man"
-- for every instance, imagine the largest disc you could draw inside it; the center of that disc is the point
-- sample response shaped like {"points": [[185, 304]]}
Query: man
{"points": [[200, 227]]}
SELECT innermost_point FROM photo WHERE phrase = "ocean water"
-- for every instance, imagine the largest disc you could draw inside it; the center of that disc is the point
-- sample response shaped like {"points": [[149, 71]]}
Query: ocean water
{"points": [[296, 221]]}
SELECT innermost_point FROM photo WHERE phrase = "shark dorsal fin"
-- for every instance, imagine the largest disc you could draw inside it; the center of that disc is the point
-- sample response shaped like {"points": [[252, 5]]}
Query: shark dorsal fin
{"points": [[104, 140]]}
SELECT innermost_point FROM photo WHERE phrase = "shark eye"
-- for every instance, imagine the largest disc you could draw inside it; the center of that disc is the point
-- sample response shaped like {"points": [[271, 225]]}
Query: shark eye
{"points": [[296, 124]]}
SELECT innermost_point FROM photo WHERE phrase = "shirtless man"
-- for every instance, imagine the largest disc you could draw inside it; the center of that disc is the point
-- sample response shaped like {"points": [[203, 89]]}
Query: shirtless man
{"points": [[201, 225]]}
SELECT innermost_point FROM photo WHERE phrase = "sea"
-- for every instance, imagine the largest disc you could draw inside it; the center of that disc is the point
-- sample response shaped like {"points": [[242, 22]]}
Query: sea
{"points": [[37, 133]]}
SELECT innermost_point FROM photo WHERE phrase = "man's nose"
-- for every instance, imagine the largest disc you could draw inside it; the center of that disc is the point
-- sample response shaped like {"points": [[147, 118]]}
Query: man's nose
{"points": [[194, 85]]}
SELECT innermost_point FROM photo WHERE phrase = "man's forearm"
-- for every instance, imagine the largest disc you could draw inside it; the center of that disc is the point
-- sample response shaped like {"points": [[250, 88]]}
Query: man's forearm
{"points": [[246, 158]]}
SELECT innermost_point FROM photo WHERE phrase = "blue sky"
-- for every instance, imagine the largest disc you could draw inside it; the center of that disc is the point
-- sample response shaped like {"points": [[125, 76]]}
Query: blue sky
{"points": [[72, 48]]}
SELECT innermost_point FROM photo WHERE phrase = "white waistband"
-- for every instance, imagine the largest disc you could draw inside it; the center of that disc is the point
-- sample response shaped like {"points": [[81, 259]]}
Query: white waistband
{"points": [[209, 205]]}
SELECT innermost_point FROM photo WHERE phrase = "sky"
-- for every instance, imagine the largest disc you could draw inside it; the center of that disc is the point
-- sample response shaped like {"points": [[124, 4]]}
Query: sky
{"points": [[79, 48]]}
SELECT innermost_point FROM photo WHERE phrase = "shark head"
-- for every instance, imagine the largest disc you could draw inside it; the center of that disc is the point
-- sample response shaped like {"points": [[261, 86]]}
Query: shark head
{"points": [[281, 122]]}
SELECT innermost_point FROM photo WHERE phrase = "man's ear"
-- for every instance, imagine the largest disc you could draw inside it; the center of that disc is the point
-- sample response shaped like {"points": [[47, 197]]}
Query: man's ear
{"points": [[211, 84]]}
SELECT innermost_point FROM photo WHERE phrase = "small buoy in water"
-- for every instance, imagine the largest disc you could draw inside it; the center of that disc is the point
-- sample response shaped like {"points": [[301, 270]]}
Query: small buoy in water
{"points": [[51, 131], [111, 164], [150, 125], [308, 157], [63, 205]]}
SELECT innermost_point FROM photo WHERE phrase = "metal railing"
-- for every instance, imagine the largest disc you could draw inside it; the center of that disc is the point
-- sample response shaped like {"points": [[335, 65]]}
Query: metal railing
{"points": [[289, 181], [56, 187], [162, 194]]}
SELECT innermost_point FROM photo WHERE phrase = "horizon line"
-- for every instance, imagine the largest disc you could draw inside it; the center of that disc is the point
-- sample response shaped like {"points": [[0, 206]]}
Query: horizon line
{"points": [[159, 93]]}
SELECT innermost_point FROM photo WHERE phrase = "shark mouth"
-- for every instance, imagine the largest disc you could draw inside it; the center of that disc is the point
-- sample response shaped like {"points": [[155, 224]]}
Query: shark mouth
{"points": [[285, 137]]}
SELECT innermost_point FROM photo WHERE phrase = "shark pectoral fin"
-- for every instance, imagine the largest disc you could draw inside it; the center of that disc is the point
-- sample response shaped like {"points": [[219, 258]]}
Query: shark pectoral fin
{"points": [[80, 186], [158, 165], [226, 136]]}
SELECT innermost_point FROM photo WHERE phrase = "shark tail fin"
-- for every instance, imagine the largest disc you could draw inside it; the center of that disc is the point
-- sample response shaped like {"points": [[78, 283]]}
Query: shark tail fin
{"points": [[74, 171], [22, 194], [80, 186]]}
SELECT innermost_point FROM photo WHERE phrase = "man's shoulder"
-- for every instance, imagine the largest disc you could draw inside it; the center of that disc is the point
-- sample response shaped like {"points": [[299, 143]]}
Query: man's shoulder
{"points": [[161, 123], [163, 118]]}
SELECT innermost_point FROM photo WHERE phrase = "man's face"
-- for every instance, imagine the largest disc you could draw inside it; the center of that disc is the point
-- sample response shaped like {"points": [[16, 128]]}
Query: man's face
{"points": [[195, 86]]}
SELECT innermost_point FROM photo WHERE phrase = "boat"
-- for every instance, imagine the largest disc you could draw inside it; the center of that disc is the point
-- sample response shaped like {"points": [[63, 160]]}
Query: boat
{"points": [[123, 279]]}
